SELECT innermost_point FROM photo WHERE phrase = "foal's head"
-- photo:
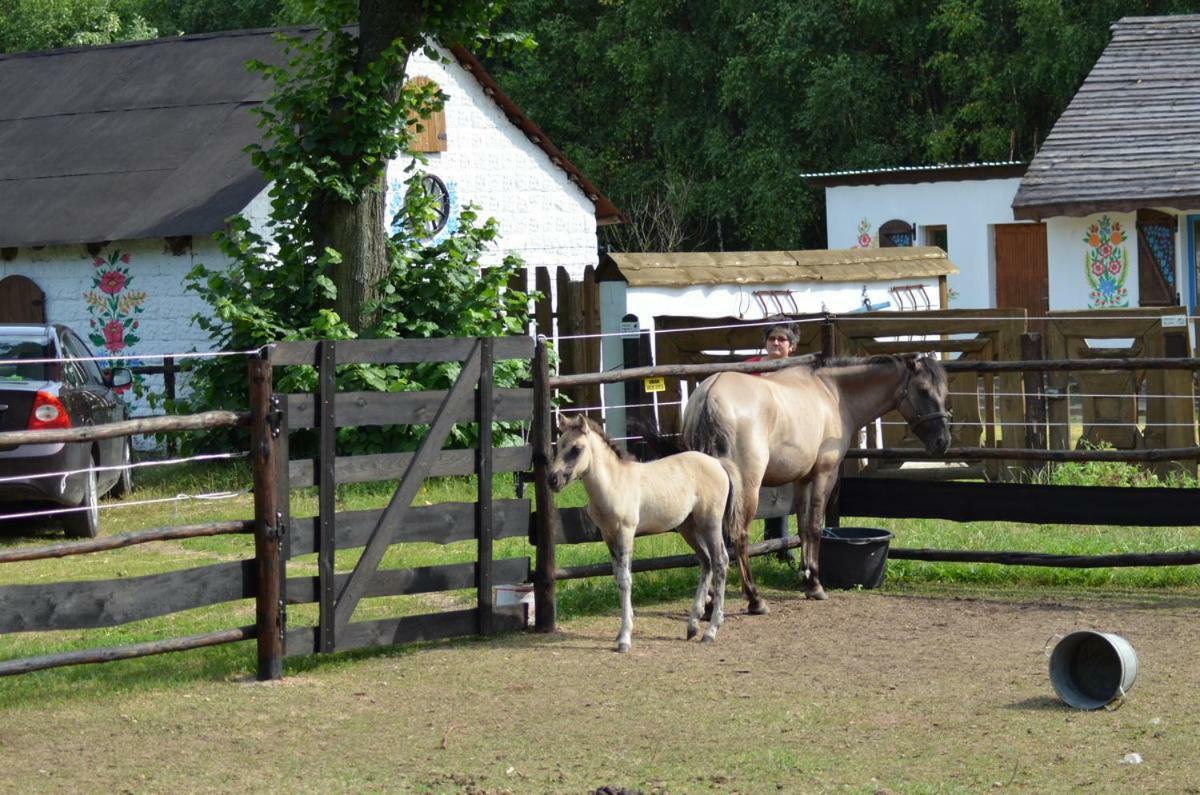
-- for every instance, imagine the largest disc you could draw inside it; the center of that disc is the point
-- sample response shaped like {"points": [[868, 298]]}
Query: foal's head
{"points": [[923, 402], [579, 440]]}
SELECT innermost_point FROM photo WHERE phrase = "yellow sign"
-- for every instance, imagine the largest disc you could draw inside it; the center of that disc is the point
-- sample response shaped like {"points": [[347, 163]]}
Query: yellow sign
{"points": [[655, 384]]}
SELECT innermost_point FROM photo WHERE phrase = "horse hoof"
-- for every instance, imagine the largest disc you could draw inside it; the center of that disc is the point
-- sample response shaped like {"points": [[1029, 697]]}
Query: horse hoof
{"points": [[817, 593], [759, 608], [692, 632], [622, 648]]}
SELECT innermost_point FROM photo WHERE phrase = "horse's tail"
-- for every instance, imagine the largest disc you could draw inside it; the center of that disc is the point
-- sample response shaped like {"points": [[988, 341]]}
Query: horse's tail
{"points": [[731, 521], [702, 429], [656, 444]]}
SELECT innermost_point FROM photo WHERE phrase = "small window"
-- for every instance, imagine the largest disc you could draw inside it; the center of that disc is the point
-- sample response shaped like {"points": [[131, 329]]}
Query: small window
{"points": [[895, 234], [429, 133], [936, 236]]}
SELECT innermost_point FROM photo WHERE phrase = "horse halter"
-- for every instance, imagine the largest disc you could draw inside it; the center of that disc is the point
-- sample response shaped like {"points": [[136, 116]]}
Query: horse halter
{"points": [[919, 419]]}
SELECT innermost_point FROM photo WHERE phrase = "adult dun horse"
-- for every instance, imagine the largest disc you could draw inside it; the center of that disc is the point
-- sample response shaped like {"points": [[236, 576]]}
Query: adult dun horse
{"points": [[689, 491], [795, 426]]}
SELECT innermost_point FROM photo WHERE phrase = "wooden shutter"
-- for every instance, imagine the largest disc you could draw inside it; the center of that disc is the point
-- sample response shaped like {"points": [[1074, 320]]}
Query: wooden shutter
{"points": [[429, 134], [895, 233], [21, 301], [1156, 258]]}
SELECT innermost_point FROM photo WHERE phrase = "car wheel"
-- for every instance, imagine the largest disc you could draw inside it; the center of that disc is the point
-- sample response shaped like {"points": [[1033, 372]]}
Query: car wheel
{"points": [[85, 523], [124, 485]]}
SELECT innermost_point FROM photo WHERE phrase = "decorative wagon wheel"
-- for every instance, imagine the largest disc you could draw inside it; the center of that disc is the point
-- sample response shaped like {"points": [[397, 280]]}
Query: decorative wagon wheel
{"points": [[439, 197]]}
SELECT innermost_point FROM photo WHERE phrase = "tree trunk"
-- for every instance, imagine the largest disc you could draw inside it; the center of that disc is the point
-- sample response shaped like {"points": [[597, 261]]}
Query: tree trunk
{"points": [[357, 232]]}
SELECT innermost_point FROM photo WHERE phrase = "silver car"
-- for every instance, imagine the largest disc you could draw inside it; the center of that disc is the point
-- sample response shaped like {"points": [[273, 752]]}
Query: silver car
{"points": [[71, 392]]}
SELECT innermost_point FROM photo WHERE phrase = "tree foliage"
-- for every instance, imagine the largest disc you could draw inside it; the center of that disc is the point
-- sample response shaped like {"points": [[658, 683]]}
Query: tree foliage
{"points": [[737, 98]]}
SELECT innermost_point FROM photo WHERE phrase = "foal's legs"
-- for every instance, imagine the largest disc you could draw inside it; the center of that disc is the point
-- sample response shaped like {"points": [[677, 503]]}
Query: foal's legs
{"points": [[703, 556], [720, 565], [621, 548]]}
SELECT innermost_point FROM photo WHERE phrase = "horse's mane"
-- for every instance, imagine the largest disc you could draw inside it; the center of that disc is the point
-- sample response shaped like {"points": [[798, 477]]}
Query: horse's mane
{"points": [[595, 427], [937, 373]]}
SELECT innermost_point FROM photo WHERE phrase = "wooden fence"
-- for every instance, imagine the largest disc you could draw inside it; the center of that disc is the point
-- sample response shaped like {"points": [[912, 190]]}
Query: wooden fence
{"points": [[274, 419]]}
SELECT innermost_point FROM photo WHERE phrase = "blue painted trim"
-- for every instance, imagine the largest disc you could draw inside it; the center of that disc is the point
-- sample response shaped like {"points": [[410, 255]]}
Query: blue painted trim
{"points": [[1191, 262]]}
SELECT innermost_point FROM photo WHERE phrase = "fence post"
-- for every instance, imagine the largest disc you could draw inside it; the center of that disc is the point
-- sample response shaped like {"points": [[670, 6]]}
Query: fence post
{"points": [[268, 528], [483, 503], [1035, 394], [833, 508], [169, 389], [546, 530]]}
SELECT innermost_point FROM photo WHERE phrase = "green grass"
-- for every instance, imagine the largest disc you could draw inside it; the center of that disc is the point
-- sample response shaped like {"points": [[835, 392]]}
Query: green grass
{"points": [[595, 596]]}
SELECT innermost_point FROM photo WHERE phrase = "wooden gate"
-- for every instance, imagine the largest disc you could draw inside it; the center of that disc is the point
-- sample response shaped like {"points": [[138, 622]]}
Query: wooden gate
{"points": [[471, 399]]}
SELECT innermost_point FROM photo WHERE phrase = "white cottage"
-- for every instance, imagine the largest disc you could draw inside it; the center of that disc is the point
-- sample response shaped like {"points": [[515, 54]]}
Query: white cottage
{"points": [[120, 162], [964, 209], [1116, 185]]}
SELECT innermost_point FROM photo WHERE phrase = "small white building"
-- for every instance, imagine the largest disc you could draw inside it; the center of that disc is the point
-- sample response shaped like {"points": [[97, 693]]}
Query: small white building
{"points": [[964, 209], [120, 162], [753, 285]]}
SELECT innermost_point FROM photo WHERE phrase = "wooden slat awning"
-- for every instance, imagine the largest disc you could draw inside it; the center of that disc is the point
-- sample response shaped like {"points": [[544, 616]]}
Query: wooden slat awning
{"points": [[776, 267], [1128, 138]]}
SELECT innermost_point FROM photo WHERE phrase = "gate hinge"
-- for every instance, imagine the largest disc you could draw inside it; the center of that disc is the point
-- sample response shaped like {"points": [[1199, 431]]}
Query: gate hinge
{"points": [[275, 415]]}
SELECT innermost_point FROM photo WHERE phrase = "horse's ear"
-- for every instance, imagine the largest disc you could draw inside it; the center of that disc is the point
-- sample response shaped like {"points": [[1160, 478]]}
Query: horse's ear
{"points": [[566, 423]]}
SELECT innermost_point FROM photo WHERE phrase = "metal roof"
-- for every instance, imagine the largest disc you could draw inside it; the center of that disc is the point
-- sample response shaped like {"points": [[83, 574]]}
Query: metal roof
{"points": [[776, 267], [1127, 140], [147, 139], [903, 175]]}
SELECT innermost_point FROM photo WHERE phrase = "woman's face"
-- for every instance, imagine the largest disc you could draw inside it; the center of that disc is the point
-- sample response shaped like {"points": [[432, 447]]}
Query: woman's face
{"points": [[779, 346]]}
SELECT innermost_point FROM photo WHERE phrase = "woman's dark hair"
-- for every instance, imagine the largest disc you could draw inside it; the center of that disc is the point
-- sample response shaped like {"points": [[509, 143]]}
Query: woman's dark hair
{"points": [[784, 329]]}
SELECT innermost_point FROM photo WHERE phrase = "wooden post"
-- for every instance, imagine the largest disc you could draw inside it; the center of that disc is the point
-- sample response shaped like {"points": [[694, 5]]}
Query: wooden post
{"points": [[268, 530], [483, 503], [326, 493], [1035, 398], [833, 509], [546, 530], [169, 389]]}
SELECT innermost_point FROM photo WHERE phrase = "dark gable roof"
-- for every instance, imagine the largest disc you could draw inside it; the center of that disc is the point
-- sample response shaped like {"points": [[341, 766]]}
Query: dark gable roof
{"points": [[146, 139], [1129, 137]]}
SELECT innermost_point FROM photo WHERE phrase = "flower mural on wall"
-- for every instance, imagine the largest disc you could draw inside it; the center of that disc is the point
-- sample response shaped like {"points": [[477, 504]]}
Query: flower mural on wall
{"points": [[1107, 264], [864, 235], [113, 307]]}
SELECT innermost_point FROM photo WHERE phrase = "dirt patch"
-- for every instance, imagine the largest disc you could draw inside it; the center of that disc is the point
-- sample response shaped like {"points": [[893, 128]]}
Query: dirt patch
{"points": [[866, 692]]}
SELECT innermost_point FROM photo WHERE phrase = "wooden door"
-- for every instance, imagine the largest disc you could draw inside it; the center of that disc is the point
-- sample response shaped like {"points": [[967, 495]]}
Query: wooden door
{"points": [[21, 301], [1022, 280]]}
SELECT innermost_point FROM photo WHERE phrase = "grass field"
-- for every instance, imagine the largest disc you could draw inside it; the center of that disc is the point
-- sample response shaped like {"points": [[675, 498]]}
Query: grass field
{"points": [[186, 705]]}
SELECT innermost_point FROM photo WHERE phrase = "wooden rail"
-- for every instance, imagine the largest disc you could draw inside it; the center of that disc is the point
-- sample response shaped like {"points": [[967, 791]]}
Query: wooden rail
{"points": [[203, 421], [126, 540], [1019, 454]]}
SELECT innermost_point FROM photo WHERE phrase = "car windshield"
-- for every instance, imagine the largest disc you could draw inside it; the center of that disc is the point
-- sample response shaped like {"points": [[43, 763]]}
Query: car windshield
{"points": [[15, 350]]}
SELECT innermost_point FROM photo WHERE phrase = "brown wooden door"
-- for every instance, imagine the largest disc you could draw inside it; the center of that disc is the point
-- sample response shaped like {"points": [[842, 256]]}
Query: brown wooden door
{"points": [[21, 301], [1022, 271]]}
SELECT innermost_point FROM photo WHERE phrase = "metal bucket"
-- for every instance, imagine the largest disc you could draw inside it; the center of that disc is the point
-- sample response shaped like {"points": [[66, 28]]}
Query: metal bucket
{"points": [[1090, 670]]}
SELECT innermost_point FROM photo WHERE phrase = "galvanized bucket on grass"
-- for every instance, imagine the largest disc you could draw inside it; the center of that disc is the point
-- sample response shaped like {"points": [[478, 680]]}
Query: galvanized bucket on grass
{"points": [[1090, 670]]}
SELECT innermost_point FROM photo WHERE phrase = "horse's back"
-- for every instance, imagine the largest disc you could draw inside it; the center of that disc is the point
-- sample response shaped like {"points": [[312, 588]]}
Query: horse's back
{"points": [[678, 486]]}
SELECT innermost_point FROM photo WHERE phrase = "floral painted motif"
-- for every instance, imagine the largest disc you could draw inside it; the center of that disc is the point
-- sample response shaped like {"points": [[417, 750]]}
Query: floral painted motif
{"points": [[1106, 264], [112, 305], [864, 234]]}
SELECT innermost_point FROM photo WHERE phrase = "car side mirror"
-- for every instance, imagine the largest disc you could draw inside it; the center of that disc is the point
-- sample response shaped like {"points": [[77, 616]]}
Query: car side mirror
{"points": [[120, 377]]}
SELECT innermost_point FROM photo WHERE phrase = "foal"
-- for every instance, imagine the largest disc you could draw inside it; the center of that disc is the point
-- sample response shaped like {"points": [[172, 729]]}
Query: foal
{"points": [[689, 491]]}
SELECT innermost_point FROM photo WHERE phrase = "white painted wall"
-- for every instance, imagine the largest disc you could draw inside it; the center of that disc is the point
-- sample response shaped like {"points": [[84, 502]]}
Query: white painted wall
{"points": [[488, 161], [1069, 288], [966, 208]]}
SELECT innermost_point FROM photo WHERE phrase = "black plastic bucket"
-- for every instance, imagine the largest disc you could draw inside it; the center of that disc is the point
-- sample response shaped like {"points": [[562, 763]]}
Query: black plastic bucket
{"points": [[853, 557]]}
